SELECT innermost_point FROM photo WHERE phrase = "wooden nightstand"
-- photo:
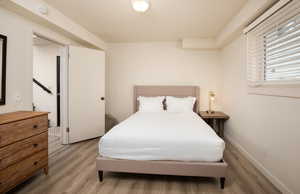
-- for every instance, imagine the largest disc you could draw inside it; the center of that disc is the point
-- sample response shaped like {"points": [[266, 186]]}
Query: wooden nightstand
{"points": [[216, 120]]}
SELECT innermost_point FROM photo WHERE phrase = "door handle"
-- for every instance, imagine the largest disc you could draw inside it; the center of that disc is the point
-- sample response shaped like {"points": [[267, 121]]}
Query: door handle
{"points": [[102, 98]]}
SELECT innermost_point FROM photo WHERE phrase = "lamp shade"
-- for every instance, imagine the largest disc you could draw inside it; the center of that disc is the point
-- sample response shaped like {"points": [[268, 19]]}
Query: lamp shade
{"points": [[140, 5]]}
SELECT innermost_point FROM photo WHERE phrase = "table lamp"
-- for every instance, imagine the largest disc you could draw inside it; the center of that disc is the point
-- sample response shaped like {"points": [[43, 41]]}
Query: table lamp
{"points": [[211, 98]]}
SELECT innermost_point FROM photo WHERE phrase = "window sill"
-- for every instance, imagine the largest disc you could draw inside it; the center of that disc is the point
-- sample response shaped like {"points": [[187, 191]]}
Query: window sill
{"points": [[289, 90]]}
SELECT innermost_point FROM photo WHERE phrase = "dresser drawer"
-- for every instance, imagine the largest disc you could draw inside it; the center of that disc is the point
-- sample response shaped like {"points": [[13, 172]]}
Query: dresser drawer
{"points": [[19, 172], [16, 152], [13, 132]]}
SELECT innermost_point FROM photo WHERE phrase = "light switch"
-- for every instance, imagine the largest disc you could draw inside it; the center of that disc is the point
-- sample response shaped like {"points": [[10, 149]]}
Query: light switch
{"points": [[18, 98]]}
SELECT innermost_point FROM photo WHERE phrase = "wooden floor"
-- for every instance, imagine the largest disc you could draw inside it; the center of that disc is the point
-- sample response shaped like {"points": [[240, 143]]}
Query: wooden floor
{"points": [[73, 170], [54, 144]]}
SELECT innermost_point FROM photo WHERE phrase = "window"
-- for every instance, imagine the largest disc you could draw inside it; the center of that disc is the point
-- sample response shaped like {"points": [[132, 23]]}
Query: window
{"points": [[273, 53]]}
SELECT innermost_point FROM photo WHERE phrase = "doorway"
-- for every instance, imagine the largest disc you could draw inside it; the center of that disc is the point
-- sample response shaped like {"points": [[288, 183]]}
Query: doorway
{"points": [[46, 84]]}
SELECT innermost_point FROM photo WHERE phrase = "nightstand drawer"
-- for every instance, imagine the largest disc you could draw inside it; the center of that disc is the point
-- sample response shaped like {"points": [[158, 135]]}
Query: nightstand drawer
{"points": [[16, 152], [13, 132]]}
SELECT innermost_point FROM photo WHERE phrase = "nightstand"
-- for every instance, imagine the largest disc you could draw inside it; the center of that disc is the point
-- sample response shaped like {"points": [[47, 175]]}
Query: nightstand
{"points": [[216, 120]]}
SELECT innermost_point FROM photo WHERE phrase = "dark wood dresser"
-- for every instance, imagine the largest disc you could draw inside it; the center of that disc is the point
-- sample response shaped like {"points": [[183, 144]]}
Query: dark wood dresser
{"points": [[23, 147]]}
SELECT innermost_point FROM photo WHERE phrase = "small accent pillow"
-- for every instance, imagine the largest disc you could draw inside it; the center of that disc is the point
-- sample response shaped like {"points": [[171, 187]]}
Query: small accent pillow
{"points": [[151, 104], [175, 104]]}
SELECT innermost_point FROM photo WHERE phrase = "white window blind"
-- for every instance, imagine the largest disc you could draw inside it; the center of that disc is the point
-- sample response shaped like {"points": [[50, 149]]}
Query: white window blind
{"points": [[273, 48]]}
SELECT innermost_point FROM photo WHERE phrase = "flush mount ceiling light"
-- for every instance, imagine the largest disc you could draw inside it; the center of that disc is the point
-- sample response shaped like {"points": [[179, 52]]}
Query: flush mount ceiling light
{"points": [[140, 5]]}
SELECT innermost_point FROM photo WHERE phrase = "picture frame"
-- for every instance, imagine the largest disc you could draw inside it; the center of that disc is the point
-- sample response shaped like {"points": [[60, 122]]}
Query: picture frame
{"points": [[3, 55]]}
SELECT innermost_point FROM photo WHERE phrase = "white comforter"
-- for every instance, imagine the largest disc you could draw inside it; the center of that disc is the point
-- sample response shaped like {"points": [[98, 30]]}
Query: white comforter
{"points": [[162, 136]]}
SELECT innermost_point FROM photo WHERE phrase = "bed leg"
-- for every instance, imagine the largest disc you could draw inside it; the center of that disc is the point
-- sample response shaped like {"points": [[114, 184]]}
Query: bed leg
{"points": [[222, 182], [100, 175]]}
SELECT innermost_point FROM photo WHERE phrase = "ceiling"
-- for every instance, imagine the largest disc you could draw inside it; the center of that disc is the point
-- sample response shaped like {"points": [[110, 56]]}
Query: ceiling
{"points": [[37, 41], [166, 20]]}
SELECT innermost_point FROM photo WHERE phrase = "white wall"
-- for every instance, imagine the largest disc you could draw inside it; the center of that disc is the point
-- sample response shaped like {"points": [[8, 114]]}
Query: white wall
{"points": [[19, 58], [44, 70], [157, 63], [56, 20], [266, 128]]}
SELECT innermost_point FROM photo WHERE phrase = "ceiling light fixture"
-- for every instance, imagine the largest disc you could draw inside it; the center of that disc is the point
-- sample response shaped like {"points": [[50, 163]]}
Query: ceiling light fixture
{"points": [[140, 5]]}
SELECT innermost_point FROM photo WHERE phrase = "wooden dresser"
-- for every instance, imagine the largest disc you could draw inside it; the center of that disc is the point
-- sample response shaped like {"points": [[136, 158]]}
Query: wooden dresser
{"points": [[23, 147]]}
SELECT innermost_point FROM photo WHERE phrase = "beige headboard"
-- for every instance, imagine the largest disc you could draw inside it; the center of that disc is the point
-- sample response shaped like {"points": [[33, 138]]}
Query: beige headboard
{"points": [[177, 91]]}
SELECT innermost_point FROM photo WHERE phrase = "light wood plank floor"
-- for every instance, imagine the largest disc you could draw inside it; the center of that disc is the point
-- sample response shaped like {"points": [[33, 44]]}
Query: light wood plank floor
{"points": [[54, 144], [73, 170]]}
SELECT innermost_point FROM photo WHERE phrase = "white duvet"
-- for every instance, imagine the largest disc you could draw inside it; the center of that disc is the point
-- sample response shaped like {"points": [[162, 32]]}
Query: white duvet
{"points": [[163, 136]]}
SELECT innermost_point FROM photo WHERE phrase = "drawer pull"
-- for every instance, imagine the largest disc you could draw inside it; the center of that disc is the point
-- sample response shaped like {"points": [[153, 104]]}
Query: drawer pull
{"points": [[35, 145], [35, 163], [35, 126]]}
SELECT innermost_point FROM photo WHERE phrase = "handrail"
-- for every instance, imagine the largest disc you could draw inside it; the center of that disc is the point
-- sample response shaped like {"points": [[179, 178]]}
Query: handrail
{"points": [[42, 86]]}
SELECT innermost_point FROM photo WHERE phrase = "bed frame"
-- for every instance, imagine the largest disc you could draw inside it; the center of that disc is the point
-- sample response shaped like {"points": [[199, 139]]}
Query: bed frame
{"points": [[179, 168]]}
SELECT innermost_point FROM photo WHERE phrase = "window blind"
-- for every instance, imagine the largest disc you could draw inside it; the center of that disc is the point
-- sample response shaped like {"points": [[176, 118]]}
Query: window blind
{"points": [[273, 47]]}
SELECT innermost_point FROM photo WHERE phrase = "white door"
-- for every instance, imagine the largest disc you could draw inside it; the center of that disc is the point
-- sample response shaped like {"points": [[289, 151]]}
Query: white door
{"points": [[86, 93]]}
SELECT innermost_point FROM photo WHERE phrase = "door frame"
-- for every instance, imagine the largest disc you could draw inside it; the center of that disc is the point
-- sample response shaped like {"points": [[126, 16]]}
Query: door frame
{"points": [[64, 94], [64, 77]]}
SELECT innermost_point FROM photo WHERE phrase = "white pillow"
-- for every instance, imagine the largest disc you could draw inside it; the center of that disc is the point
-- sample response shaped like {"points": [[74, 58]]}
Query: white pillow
{"points": [[175, 104], [151, 104]]}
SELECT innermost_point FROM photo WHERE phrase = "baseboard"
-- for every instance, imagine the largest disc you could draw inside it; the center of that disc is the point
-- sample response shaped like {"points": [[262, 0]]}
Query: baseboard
{"points": [[274, 180]]}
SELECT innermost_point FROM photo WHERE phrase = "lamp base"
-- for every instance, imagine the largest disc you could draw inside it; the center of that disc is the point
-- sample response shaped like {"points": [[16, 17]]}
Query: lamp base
{"points": [[210, 112]]}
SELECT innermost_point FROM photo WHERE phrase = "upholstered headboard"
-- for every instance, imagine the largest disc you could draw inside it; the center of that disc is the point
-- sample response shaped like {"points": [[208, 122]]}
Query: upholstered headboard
{"points": [[177, 91]]}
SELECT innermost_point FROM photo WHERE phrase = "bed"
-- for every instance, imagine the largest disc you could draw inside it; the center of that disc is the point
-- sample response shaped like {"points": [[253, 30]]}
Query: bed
{"points": [[163, 143]]}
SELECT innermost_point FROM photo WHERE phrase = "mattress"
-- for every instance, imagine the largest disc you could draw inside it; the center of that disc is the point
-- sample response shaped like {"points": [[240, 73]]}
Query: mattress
{"points": [[163, 136]]}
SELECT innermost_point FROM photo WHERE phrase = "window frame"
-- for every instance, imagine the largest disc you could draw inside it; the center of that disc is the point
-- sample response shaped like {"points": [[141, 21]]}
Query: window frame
{"points": [[256, 76]]}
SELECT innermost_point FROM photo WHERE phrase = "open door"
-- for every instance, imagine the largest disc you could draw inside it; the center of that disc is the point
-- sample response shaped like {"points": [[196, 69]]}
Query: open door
{"points": [[86, 93]]}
